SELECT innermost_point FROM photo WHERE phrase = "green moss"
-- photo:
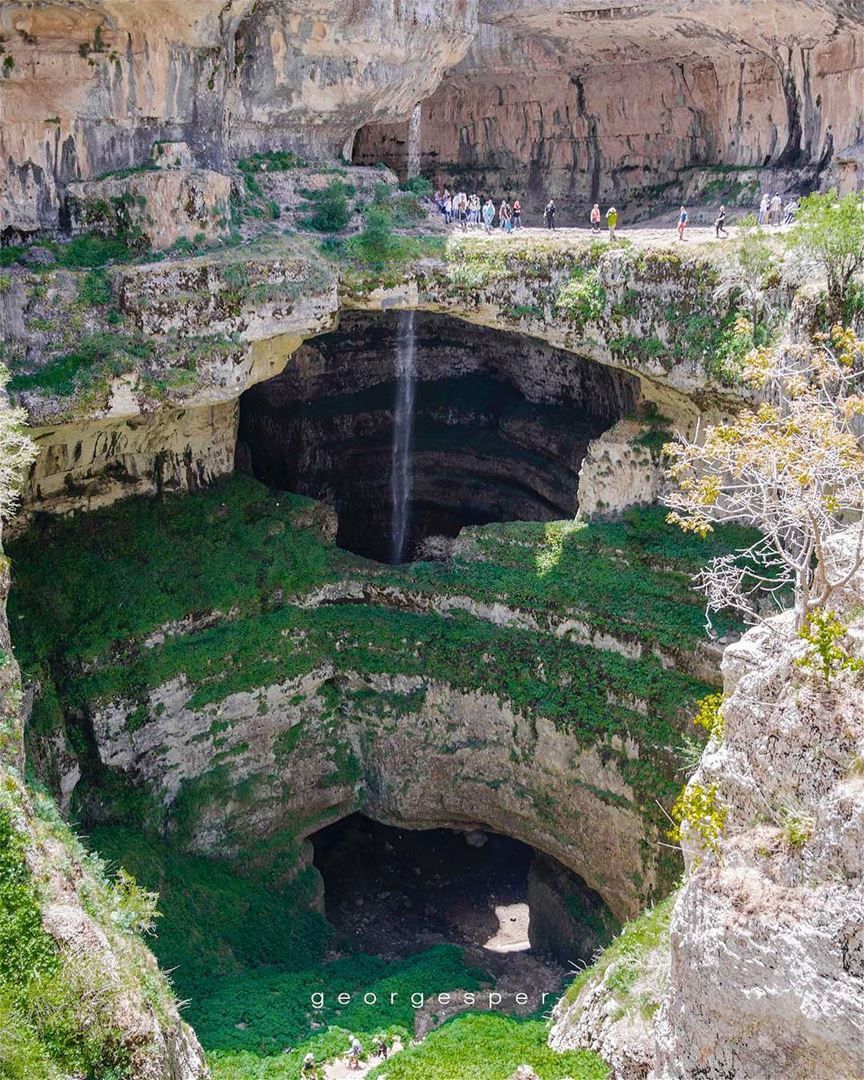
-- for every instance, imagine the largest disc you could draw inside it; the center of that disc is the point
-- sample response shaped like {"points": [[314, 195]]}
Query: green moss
{"points": [[98, 357], [218, 919]]}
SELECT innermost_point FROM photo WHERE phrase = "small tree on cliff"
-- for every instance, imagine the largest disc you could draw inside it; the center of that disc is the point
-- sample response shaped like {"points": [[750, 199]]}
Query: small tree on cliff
{"points": [[748, 271], [830, 230], [793, 468]]}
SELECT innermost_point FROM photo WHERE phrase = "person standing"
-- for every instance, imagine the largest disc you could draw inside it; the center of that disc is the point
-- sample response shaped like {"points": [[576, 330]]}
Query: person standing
{"points": [[720, 223], [503, 215], [549, 214], [595, 218], [789, 211], [488, 214], [683, 218], [612, 221], [776, 209], [763, 208], [517, 214], [355, 1052], [448, 206]]}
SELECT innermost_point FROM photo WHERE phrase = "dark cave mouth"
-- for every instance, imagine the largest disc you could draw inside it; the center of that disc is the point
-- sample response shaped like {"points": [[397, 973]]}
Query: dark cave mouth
{"points": [[395, 891], [486, 441]]}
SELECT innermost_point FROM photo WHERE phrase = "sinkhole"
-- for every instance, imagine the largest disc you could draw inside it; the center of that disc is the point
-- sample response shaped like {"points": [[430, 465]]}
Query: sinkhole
{"points": [[412, 425], [394, 891]]}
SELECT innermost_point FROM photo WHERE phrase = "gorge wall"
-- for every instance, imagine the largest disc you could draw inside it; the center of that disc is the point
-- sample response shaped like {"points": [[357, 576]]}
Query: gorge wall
{"points": [[644, 104], [600, 101], [89, 88]]}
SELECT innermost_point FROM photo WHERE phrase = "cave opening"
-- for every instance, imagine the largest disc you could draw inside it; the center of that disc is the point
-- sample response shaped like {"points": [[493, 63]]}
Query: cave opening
{"points": [[394, 891], [413, 425]]}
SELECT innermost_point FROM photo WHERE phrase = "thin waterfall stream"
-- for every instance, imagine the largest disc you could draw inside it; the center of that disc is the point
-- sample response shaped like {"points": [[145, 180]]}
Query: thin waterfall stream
{"points": [[401, 479]]}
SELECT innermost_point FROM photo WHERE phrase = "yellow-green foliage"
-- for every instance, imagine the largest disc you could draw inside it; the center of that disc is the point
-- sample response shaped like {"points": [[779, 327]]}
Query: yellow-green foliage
{"points": [[698, 812], [709, 716], [583, 298], [824, 632]]}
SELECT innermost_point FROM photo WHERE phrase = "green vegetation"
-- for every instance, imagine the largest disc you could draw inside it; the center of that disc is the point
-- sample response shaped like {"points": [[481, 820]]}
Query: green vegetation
{"points": [[829, 229], [633, 968], [699, 813], [248, 544], [98, 357], [487, 1046], [583, 298], [256, 552], [59, 1009], [216, 920], [329, 208], [87, 251], [825, 632]]}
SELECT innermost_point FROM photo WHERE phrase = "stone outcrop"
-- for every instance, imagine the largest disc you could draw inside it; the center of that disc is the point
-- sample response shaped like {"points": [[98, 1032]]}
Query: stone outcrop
{"points": [[767, 968], [620, 470], [156, 207], [440, 758], [759, 974]]}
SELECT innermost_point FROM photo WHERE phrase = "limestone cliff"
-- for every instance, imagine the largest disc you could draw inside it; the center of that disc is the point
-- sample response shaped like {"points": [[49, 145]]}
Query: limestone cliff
{"points": [[644, 103], [91, 87], [759, 975], [767, 936]]}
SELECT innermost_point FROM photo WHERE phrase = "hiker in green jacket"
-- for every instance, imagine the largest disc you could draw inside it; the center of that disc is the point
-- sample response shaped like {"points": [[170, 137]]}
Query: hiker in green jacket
{"points": [[612, 221]]}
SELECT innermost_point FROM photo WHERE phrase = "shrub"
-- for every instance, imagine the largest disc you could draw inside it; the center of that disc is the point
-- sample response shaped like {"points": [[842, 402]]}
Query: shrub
{"points": [[583, 298], [330, 210], [95, 289], [830, 229], [418, 185], [697, 812], [708, 715], [377, 244], [824, 631]]}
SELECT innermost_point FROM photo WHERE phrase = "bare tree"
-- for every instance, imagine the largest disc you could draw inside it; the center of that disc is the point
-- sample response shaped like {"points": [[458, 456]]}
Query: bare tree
{"points": [[793, 468]]}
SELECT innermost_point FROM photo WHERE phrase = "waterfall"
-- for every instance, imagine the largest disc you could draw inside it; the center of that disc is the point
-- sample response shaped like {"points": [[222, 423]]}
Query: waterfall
{"points": [[403, 424], [414, 142]]}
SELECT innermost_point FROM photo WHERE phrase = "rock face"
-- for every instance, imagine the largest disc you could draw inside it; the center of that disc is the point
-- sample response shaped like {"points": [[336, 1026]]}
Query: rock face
{"points": [[619, 471], [398, 769], [157, 207], [617, 102], [605, 101], [88, 88], [767, 972]]}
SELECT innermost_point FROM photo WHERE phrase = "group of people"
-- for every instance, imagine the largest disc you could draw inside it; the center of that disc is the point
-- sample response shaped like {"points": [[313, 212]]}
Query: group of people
{"points": [[473, 211], [773, 212], [309, 1070]]}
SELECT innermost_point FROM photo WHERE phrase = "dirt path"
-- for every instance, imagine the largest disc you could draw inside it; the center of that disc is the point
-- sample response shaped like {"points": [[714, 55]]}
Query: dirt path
{"points": [[338, 1070], [651, 234]]}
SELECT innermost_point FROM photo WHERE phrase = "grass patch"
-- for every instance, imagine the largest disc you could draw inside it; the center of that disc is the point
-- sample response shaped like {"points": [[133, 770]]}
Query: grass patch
{"points": [[488, 1046]]}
